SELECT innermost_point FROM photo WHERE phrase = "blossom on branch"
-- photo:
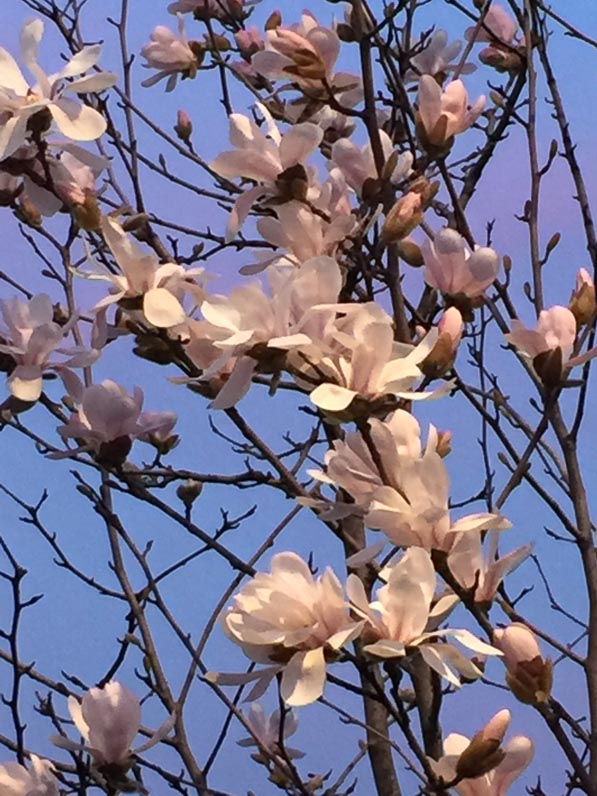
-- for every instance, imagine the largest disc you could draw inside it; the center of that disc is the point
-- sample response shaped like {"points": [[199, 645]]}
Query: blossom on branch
{"points": [[482, 767], [483, 571], [145, 284], [289, 618], [305, 54], [109, 719], [209, 9], [444, 113], [274, 161], [29, 337], [550, 345], [170, 54], [436, 57], [357, 164], [108, 419], [528, 674], [452, 268], [26, 110], [37, 780], [266, 733], [408, 497], [366, 366], [401, 620]]}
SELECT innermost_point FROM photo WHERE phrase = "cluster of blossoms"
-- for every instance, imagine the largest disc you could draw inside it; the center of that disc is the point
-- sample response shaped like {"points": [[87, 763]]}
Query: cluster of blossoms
{"points": [[292, 322], [28, 113]]}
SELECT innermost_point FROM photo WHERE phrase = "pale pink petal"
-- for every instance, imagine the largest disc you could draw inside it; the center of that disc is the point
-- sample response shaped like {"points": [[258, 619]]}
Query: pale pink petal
{"points": [[303, 679], [162, 309], [77, 121]]}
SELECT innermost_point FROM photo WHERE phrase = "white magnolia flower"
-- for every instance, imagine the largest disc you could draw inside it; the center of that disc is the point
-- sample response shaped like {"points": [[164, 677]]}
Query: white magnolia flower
{"points": [[368, 362], [159, 287], [37, 780], [108, 719], [266, 732], [170, 54], [403, 618], [30, 336], [19, 101], [288, 618]]}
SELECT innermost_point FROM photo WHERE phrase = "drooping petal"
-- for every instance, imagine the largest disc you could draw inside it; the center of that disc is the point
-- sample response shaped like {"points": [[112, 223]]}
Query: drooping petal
{"points": [[304, 678], [77, 121]]}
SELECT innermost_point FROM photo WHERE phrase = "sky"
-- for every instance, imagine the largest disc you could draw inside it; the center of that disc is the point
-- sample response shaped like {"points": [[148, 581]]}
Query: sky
{"points": [[70, 629]]}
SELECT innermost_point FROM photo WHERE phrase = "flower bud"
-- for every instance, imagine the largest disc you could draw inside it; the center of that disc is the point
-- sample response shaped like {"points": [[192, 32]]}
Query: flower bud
{"points": [[404, 216], [582, 302], [441, 358], [411, 253], [484, 752], [528, 674], [189, 492], [183, 127]]}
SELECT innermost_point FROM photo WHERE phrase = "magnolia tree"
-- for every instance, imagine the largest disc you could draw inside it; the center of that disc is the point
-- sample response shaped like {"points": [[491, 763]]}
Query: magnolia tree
{"points": [[371, 415]]}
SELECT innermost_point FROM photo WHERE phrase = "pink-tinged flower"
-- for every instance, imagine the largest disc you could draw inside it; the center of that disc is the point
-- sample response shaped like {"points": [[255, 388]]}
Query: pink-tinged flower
{"points": [[497, 24], [274, 161], [409, 500], [108, 418], [38, 780], [556, 329], [157, 288], [249, 41], [293, 620], [108, 719], [30, 336], [451, 325], [400, 620], [451, 268], [170, 54], [19, 102], [436, 57], [499, 29], [305, 54], [491, 768], [528, 674], [255, 329], [299, 235], [209, 9], [265, 732], [350, 464], [472, 568], [366, 362], [358, 165], [550, 344], [443, 113], [74, 172]]}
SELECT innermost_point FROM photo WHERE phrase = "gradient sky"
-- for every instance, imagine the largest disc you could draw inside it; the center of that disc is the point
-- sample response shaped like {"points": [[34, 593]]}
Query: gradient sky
{"points": [[70, 630]]}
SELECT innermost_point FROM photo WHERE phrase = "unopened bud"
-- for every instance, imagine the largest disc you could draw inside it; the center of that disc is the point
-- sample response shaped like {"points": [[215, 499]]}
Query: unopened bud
{"points": [[189, 492], [183, 127], [582, 302], [529, 675], [484, 752], [440, 359], [403, 218], [411, 253]]}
